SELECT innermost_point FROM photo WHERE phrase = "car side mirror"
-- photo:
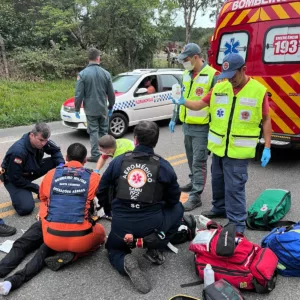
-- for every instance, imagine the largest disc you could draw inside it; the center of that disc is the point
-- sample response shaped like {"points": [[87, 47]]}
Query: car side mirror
{"points": [[141, 91]]}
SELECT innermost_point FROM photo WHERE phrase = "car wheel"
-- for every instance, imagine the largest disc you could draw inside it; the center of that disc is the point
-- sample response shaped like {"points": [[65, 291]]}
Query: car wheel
{"points": [[118, 125]]}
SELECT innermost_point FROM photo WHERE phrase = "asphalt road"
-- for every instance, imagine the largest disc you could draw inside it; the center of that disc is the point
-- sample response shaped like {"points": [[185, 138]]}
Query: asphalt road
{"points": [[94, 278]]}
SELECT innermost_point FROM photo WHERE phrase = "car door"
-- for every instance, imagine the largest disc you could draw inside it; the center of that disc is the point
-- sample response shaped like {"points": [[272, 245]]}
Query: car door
{"points": [[144, 103]]}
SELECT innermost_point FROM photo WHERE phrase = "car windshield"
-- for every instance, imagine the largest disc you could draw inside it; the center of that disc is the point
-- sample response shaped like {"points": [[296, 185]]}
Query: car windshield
{"points": [[122, 83]]}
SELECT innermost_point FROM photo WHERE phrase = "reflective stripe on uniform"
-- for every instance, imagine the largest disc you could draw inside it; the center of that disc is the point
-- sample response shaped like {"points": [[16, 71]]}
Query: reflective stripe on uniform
{"points": [[199, 113], [214, 139], [245, 142]]}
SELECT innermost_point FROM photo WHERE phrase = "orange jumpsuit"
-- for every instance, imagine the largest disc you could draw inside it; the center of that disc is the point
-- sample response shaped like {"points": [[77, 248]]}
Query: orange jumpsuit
{"points": [[77, 244]]}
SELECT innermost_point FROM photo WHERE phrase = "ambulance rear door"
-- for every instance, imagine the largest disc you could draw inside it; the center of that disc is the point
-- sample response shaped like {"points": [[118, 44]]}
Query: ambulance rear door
{"points": [[277, 56]]}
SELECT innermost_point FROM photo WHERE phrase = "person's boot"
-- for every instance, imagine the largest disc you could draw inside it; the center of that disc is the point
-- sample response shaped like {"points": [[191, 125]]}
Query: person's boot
{"points": [[60, 259], [138, 278], [6, 230], [211, 214], [92, 159], [155, 256], [193, 202], [186, 188]]}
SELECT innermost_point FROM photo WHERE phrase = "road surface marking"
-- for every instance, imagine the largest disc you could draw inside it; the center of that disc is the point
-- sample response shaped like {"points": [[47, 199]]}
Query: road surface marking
{"points": [[37, 204]]}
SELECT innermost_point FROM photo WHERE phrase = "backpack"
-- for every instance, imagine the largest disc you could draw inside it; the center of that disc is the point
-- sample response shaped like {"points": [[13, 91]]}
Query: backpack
{"points": [[285, 243], [268, 209], [243, 264]]}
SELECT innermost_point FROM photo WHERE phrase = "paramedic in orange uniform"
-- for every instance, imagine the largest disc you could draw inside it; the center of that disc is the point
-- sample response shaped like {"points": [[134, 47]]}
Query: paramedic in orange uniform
{"points": [[66, 195]]}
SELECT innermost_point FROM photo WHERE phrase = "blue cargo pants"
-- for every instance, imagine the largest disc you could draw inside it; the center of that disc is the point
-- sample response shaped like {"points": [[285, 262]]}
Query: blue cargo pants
{"points": [[229, 177]]}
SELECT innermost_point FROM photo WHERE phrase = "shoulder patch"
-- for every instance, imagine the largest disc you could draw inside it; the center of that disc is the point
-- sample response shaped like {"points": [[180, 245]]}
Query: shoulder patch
{"points": [[18, 160]]}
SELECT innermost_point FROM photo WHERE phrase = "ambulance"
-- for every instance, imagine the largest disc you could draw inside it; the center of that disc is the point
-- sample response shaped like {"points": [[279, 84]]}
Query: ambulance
{"points": [[267, 34]]}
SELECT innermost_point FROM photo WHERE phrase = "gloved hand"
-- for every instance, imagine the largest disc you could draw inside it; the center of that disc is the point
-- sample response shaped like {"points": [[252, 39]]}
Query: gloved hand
{"points": [[266, 156], [61, 164], [181, 101], [110, 112], [77, 115], [172, 126], [97, 171], [151, 241]]}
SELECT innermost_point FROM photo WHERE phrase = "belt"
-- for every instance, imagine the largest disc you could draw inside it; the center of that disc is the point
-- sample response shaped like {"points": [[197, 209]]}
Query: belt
{"points": [[70, 233]]}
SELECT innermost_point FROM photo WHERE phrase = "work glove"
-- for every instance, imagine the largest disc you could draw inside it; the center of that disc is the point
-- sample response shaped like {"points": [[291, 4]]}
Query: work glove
{"points": [[77, 115], [172, 126], [110, 112], [266, 156]]}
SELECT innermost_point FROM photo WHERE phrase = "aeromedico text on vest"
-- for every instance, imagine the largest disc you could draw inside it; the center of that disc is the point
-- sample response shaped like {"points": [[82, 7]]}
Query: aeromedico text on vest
{"points": [[138, 181], [235, 120], [194, 90]]}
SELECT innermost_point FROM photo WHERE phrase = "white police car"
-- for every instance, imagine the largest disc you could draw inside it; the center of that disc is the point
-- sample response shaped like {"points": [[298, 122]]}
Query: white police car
{"points": [[133, 102]]}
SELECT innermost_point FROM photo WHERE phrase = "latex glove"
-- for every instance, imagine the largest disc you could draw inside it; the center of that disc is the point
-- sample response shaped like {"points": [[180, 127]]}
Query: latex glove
{"points": [[97, 171], [181, 101], [110, 112], [266, 156], [61, 164], [172, 126], [77, 115]]}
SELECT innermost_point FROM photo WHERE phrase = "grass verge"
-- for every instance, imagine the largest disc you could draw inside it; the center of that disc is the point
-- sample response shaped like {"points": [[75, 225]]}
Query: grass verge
{"points": [[23, 103]]}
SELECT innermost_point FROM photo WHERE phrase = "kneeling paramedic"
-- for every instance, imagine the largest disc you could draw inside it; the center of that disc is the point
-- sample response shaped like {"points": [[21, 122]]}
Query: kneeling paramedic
{"points": [[24, 163], [239, 107], [66, 194], [145, 207]]}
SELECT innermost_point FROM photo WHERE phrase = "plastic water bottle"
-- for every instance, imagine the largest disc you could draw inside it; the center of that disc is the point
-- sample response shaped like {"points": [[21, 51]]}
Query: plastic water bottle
{"points": [[176, 91], [209, 275]]}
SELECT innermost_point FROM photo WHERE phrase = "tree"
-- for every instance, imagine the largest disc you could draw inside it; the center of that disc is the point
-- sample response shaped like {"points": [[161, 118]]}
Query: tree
{"points": [[190, 11], [216, 7]]}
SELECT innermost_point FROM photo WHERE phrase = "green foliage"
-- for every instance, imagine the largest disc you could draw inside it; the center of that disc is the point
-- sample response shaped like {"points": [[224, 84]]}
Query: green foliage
{"points": [[53, 63], [24, 103]]}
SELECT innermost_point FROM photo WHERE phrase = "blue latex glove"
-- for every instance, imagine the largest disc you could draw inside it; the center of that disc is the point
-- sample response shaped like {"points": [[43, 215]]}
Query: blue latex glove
{"points": [[61, 164], [181, 101], [266, 156], [77, 115], [172, 126], [97, 171], [110, 112]]}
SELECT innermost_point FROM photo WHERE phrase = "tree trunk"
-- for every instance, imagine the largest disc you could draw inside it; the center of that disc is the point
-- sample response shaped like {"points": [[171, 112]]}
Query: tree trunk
{"points": [[2, 46], [187, 34]]}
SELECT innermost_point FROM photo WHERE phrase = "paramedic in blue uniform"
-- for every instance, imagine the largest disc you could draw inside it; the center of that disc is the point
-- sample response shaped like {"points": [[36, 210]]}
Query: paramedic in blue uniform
{"points": [[145, 204], [24, 163]]}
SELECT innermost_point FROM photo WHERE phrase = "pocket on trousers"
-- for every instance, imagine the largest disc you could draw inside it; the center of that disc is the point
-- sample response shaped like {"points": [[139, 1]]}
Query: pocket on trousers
{"points": [[239, 176]]}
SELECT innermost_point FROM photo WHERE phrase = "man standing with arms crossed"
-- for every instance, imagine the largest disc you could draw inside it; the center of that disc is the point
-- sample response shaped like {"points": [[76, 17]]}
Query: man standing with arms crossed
{"points": [[197, 81], [94, 87], [239, 107]]}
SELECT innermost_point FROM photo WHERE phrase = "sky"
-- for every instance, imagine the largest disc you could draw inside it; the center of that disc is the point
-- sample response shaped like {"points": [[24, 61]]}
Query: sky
{"points": [[201, 21]]}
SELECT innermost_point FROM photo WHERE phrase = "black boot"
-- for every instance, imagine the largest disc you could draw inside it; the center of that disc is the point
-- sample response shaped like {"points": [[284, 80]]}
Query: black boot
{"points": [[60, 259], [193, 202], [137, 277], [211, 214], [186, 188], [6, 230]]}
